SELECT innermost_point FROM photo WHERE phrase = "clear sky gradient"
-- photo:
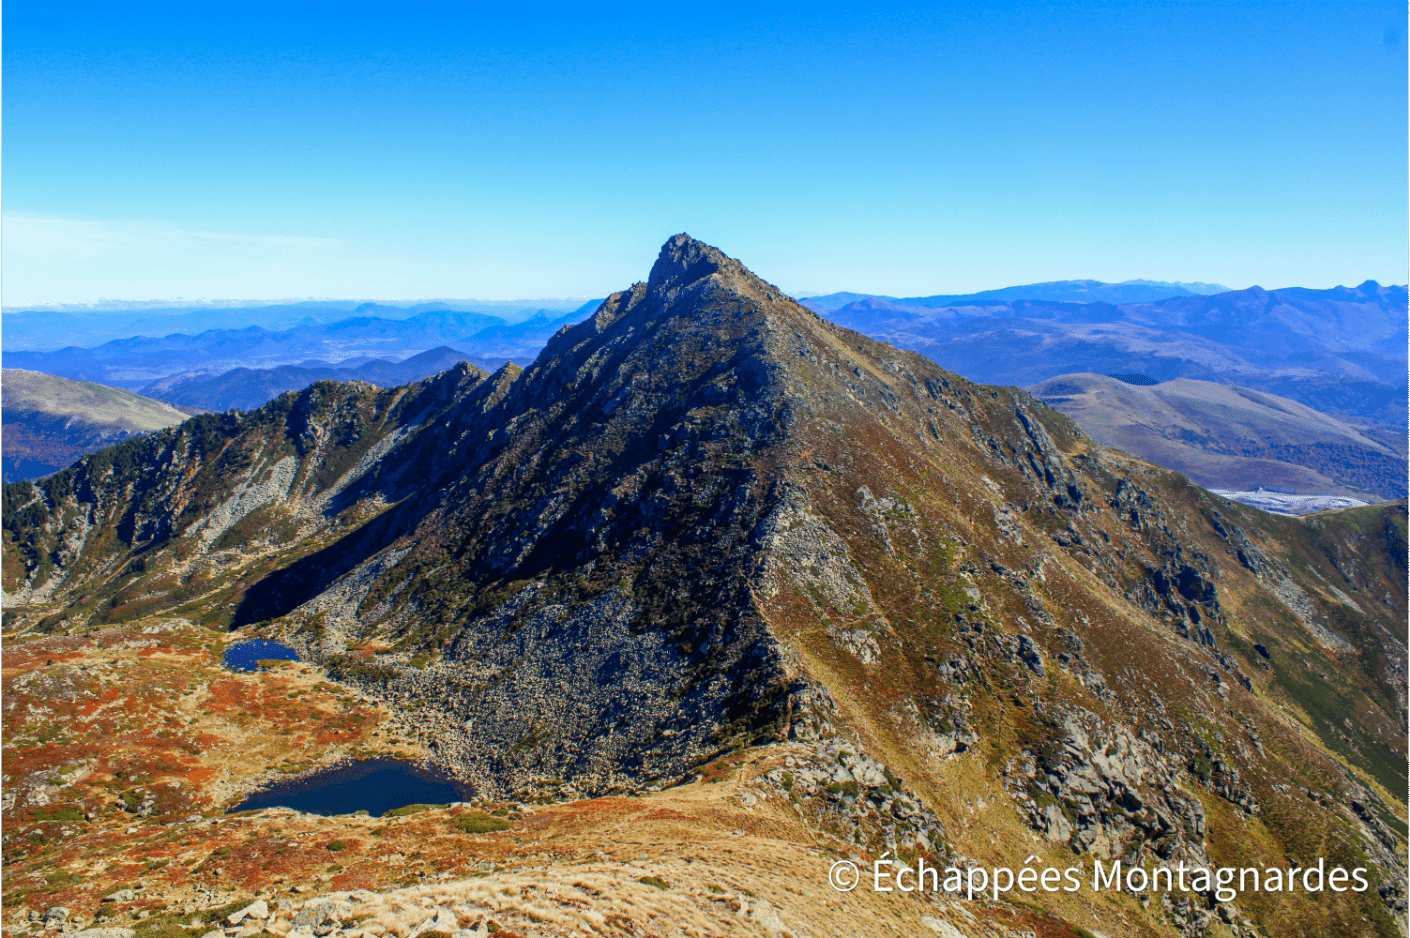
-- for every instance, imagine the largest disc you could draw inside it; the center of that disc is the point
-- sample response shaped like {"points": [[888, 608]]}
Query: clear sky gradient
{"points": [[412, 150]]}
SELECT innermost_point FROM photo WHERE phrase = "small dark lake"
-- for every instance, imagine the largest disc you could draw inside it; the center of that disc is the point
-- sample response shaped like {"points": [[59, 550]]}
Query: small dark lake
{"points": [[246, 656], [372, 785]]}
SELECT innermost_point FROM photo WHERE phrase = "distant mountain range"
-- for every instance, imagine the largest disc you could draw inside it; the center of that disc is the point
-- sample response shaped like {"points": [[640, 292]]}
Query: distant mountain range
{"points": [[248, 388], [1228, 437], [139, 361], [41, 329], [1340, 351], [50, 422], [1056, 291]]}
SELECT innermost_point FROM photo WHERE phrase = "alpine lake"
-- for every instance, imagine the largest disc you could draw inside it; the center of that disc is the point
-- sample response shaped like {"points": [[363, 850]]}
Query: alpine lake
{"points": [[372, 786]]}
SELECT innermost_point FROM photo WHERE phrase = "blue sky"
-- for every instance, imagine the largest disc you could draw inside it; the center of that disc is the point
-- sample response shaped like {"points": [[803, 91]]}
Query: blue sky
{"points": [[426, 150]]}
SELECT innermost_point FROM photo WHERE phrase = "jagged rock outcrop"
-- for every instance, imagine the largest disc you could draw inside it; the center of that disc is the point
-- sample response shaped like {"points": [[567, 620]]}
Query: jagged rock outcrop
{"points": [[1106, 792]]}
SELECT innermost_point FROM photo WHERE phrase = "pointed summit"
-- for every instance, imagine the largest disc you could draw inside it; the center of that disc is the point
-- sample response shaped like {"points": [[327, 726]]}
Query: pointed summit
{"points": [[681, 263], [695, 294], [684, 260]]}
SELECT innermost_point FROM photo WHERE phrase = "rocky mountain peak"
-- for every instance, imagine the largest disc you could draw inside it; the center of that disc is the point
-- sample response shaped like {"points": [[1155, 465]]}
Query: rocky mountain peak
{"points": [[705, 522], [686, 266], [701, 316], [684, 260]]}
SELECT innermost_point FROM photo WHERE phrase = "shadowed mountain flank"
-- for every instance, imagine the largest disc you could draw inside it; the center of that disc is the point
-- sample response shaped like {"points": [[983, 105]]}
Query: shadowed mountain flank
{"points": [[706, 522]]}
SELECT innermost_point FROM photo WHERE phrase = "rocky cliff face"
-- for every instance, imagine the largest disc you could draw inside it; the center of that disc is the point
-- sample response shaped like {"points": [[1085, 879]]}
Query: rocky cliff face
{"points": [[706, 519]]}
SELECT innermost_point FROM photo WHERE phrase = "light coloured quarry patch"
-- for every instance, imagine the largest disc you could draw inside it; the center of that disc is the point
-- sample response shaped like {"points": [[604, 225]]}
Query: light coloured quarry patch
{"points": [[1296, 601], [365, 464], [247, 497], [800, 545]]}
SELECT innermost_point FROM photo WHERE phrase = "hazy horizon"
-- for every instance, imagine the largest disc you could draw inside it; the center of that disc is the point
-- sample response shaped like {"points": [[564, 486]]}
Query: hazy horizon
{"points": [[565, 303]]}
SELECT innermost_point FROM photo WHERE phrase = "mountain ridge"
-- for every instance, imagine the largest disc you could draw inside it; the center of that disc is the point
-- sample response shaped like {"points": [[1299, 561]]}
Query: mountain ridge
{"points": [[706, 522]]}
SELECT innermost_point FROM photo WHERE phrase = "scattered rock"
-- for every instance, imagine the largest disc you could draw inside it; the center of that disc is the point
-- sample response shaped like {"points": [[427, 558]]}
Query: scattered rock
{"points": [[942, 928], [258, 909], [1102, 790], [442, 921], [761, 913]]}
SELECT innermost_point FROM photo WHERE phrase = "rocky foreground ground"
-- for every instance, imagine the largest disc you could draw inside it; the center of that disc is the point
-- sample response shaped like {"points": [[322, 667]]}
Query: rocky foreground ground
{"points": [[684, 868], [124, 747]]}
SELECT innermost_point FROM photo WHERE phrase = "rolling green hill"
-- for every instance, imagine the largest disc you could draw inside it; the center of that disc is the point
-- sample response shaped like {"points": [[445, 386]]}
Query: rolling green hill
{"points": [[49, 422], [1228, 437]]}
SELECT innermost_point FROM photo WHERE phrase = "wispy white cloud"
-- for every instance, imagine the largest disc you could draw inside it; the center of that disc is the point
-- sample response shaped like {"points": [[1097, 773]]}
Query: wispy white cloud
{"points": [[63, 260], [41, 231]]}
